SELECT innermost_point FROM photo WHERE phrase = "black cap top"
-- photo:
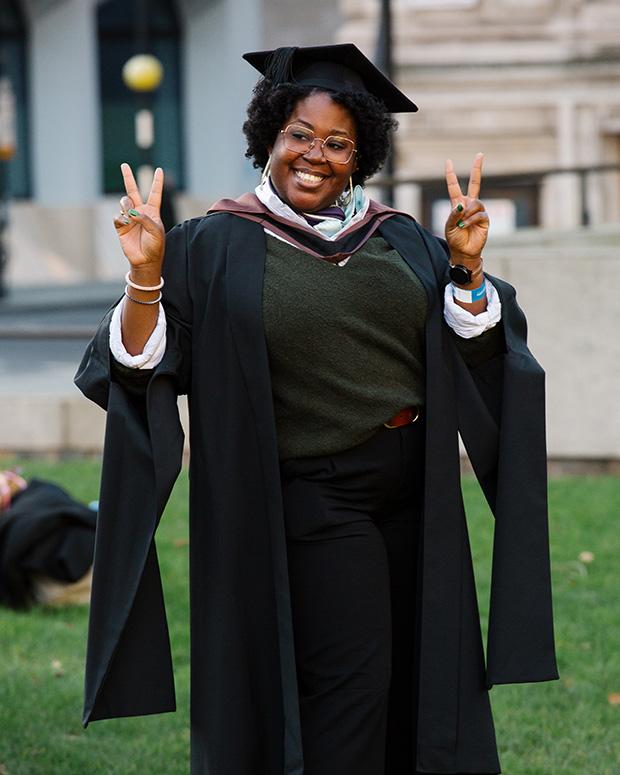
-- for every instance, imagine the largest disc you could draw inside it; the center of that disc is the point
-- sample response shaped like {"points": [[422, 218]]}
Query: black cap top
{"points": [[340, 68]]}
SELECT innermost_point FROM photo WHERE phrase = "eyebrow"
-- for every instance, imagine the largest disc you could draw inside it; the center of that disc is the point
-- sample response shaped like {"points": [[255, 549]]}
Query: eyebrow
{"points": [[339, 132]]}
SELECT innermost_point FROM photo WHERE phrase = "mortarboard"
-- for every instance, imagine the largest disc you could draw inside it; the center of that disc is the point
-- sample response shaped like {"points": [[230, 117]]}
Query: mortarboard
{"points": [[341, 68]]}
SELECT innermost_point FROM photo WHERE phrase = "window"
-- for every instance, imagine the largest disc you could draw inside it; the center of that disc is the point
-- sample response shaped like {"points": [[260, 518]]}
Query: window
{"points": [[511, 204], [118, 22]]}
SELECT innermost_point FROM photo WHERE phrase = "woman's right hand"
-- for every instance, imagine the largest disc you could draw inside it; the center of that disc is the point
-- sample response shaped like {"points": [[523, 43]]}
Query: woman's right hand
{"points": [[139, 225]]}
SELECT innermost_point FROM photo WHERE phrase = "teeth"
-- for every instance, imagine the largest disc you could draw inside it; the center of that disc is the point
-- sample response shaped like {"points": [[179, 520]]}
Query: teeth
{"points": [[307, 177]]}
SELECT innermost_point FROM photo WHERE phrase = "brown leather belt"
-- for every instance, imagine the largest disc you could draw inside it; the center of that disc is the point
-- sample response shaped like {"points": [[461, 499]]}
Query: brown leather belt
{"points": [[404, 417]]}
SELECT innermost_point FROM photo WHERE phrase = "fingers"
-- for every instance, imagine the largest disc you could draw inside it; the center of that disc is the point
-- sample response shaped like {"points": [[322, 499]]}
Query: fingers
{"points": [[456, 214], [131, 187], [482, 217], [122, 220], [475, 180], [156, 189], [475, 177], [122, 223], [461, 215], [147, 223], [454, 190]]}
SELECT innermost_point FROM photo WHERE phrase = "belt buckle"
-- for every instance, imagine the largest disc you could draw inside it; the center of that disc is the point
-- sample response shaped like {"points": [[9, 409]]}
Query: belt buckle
{"points": [[411, 419]]}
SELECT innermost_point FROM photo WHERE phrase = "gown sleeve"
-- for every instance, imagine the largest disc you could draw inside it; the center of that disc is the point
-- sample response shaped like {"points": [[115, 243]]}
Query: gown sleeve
{"points": [[128, 664], [99, 368], [475, 350], [480, 349], [500, 415], [501, 410]]}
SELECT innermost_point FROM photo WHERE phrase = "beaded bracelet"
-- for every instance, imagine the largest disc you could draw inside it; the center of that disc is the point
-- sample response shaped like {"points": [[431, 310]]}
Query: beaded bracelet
{"points": [[137, 301], [137, 287]]}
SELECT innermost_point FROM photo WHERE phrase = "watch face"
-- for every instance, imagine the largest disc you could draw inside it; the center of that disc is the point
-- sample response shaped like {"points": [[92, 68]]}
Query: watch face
{"points": [[460, 274]]}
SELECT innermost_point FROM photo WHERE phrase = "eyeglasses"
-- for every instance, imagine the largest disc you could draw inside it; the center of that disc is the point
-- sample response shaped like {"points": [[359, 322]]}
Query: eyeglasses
{"points": [[298, 139]]}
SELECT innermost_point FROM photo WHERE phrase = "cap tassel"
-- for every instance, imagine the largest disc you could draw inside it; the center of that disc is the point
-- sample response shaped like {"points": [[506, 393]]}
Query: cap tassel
{"points": [[279, 67]]}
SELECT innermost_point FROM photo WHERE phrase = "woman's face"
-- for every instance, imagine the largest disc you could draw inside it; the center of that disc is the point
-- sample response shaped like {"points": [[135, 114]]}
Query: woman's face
{"points": [[308, 182]]}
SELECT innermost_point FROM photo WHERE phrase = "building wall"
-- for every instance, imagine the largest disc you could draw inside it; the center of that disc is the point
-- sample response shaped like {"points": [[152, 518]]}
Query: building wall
{"points": [[566, 284], [72, 238], [286, 23], [64, 232], [64, 90], [218, 82], [533, 84], [63, 95]]}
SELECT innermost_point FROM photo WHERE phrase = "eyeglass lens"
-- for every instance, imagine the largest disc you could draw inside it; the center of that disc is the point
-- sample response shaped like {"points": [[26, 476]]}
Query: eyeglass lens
{"points": [[300, 140]]}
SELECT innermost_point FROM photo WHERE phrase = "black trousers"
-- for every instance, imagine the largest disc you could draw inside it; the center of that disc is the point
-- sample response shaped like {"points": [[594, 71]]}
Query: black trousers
{"points": [[352, 523]]}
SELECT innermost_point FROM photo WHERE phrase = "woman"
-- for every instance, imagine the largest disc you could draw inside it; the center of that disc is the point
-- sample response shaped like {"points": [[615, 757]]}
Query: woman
{"points": [[332, 350]]}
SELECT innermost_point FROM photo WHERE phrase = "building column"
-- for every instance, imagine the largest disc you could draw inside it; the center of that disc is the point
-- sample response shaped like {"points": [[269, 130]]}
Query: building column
{"points": [[610, 141], [65, 116], [218, 87], [408, 198], [591, 155], [561, 200]]}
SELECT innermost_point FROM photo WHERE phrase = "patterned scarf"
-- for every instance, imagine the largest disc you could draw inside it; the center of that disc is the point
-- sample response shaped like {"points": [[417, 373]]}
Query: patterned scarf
{"points": [[330, 223], [360, 222]]}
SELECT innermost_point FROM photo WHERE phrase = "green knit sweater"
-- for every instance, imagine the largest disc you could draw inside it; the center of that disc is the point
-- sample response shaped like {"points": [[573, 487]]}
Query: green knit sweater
{"points": [[345, 344]]}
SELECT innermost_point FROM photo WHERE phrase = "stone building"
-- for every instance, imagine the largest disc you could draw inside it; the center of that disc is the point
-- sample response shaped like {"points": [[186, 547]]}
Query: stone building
{"points": [[535, 84], [75, 116], [532, 83]]}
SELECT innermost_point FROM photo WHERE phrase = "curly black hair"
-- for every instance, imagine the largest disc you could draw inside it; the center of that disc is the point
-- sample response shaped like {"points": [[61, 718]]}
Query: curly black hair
{"points": [[272, 104]]}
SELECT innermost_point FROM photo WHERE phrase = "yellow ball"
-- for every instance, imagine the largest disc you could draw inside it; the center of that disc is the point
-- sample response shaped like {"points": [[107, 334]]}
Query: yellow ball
{"points": [[143, 72], [7, 151]]}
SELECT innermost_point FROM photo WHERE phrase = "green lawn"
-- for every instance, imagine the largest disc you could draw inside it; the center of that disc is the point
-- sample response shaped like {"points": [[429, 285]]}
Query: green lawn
{"points": [[564, 726]]}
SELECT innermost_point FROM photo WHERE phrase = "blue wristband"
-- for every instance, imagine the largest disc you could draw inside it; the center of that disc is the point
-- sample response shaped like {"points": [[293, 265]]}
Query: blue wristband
{"points": [[469, 297]]}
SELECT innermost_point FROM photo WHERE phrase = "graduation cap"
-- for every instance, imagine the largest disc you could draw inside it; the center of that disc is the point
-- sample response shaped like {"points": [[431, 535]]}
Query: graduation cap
{"points": [[340, 68]]}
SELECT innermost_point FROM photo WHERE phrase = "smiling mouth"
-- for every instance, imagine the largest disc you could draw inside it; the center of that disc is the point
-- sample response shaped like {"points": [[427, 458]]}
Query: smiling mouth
{"points": [[309, 178]]}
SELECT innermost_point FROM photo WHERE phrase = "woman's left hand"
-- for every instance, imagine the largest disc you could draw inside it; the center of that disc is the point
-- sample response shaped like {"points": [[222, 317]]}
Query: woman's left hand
{"points": [[467, 228]]}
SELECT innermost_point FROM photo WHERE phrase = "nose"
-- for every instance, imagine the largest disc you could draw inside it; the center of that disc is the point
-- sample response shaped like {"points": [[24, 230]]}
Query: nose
{"points": [[315, 152]]}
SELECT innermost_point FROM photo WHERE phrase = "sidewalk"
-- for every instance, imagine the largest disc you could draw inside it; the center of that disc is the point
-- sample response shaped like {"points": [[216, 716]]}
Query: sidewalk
{"points": [[43, 334], [56, 310], [24, 298]]}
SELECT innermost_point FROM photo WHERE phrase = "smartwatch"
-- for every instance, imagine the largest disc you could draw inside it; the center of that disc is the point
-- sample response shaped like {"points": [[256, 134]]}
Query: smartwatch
{"points": [[461, 275]]}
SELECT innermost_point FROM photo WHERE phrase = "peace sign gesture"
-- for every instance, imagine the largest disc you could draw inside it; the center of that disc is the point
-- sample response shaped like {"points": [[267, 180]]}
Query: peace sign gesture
{"points": [[139, 225], [467, 227]]}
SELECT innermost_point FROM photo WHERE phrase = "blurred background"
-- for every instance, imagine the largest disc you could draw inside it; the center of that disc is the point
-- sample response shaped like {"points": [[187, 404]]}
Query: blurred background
{"points": [[88, 84], [534, 84]]}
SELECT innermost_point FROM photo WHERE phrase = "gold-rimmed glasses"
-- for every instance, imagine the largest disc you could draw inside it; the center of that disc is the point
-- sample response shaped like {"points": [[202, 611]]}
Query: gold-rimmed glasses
{"points": [[299, 139]]}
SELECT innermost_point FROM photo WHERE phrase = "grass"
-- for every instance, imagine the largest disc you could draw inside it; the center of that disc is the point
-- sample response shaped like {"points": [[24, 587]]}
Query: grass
{"points": [[566, 726]]}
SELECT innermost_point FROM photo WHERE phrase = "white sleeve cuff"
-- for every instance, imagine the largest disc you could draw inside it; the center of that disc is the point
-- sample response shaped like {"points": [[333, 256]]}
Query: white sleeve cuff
{"points": [[463, 323], [153, 350]]}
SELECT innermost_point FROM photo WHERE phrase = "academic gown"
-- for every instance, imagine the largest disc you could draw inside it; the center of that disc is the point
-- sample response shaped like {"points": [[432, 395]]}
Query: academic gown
{"points": [[244, 705], [44, 533]]}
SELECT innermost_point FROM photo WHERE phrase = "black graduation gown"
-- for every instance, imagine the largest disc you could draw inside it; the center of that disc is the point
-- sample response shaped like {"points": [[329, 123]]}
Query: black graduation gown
{"points": [[244, 696], [44, 532]]}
